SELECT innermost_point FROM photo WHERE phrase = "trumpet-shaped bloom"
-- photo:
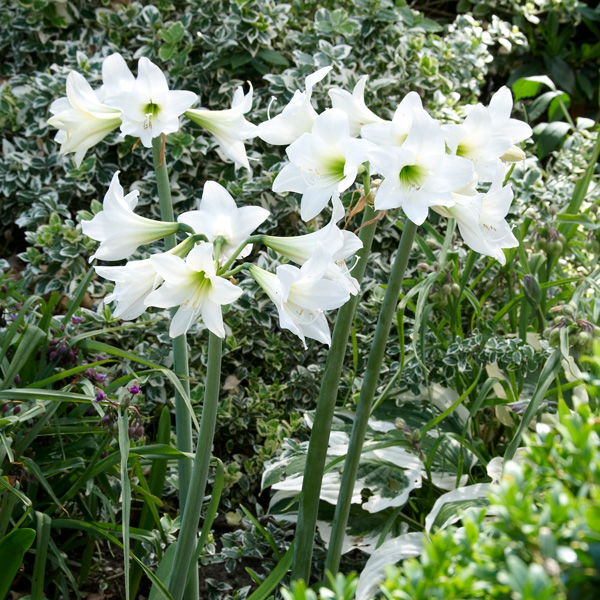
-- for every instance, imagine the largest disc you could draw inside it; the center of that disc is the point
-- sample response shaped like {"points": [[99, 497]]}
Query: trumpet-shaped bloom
{"points": [[395, 132], [229, 127], [322, 163], [148, 108], [194, 286], [133, 283], [218, 216], [488, 134], [419, 174], [353, 104], [481, 220], [81, 117], [296, 118], [339, 244], [301, 296], [118, 229]]}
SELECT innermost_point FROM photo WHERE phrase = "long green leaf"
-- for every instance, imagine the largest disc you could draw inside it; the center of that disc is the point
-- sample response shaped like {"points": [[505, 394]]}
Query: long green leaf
{"points": [[156, 483], [123, 427], [79, 294], [11, 332], [107, 349], [43, 525], [91, 528], [549, 372], [27, 345], [12, 550], [274, 578]]}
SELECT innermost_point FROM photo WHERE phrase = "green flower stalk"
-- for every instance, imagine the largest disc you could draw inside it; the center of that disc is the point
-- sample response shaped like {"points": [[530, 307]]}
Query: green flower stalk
{"points": [[186, 544], [367, 393], [319, 439], [183, 421]]}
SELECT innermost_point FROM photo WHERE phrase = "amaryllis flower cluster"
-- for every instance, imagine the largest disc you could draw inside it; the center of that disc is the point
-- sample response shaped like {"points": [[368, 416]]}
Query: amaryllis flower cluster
{"points": [[195, 277], [142, 107], [456, 169]]}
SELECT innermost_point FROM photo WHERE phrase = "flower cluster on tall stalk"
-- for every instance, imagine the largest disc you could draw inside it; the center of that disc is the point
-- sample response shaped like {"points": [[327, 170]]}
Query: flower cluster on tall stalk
{"points": [[456, 169]]}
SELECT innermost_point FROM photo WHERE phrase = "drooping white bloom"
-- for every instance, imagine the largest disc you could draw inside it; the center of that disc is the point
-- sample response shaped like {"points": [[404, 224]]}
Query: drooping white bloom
{"points": [[218, 216], [394, 132], [194, 286], [323, 163], [296, 118], [339, 245], [419, 174], [134, 281], [301, 296], [81, 117], [481, 220], [353, 104], [118, 229], [148, 108], [488, 135], [229, 127]]}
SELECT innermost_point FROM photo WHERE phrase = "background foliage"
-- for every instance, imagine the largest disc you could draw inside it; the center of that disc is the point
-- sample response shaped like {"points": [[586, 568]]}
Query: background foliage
{"points": [[462, 321]]}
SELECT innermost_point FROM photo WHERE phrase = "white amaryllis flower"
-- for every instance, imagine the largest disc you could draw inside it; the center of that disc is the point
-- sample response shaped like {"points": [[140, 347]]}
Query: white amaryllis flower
{"points": [[353, 104], [229, 127], [323, 163], [339, 244], [481, 220], [148, 108], [296, 118], [81, 117], [218, 216], [419, 174], [134, 281], [118, 229], [301, 296], [488, 135], [194, 286], [394, 132]]}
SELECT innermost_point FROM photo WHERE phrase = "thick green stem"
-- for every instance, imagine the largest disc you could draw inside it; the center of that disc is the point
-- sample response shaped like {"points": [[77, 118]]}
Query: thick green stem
{"points": [[319, 438], [186, 544], [183, 421], [367, 393]]}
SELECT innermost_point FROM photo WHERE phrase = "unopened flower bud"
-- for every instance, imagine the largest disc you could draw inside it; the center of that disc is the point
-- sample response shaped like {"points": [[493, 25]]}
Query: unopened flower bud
{"points": [[4, 289], [16, 410]]}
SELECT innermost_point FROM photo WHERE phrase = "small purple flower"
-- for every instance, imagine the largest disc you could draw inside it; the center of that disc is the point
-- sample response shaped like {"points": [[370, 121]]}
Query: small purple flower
{"points": [[134, 389], [76, 320], [100, 377], [100, 396]]}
